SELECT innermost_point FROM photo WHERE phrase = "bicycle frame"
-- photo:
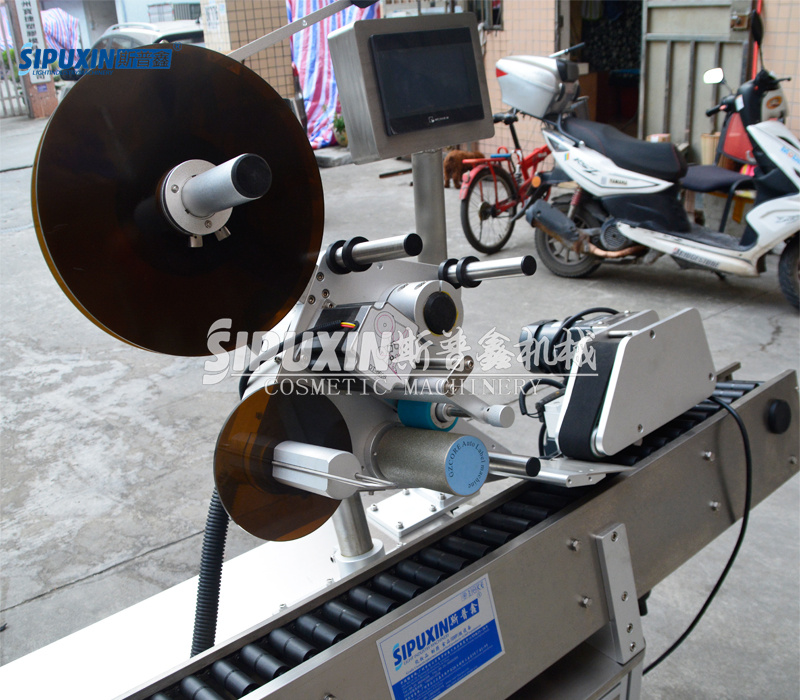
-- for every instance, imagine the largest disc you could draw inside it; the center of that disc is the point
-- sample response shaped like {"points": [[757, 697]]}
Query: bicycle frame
{"points": [[526, 166]]}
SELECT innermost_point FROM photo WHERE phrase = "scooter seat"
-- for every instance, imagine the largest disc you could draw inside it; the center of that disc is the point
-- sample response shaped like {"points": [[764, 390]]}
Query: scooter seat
{"points": [[661, 160], [712, 178]]}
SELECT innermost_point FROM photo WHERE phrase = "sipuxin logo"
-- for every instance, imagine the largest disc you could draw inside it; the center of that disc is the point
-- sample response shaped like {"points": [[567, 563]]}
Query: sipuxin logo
{"points": [[52, 61], [403, 653]]}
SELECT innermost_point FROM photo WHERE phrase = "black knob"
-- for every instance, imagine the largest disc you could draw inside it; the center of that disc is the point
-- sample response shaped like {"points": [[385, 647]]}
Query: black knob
{"points": [[779, 416], [440, 313]]}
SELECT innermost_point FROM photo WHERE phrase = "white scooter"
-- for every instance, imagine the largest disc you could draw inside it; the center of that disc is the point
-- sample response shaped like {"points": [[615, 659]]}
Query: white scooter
{"points": [[627, 203]]}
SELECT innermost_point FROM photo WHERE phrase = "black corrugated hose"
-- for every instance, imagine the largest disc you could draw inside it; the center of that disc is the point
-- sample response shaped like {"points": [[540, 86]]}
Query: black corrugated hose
{"points": [[208, 585]]}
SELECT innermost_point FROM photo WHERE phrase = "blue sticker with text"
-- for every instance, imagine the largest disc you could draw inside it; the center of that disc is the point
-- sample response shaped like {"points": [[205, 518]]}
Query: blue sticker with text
{"points": [[444, 646]]}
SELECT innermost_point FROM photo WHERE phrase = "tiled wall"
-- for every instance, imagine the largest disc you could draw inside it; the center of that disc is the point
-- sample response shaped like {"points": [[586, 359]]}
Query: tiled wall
{"points": [[530, 28], [230, 24], [782, 51]]}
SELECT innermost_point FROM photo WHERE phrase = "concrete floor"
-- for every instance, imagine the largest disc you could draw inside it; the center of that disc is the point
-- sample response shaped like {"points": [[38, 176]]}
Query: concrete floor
{"points": [[106, 449]]}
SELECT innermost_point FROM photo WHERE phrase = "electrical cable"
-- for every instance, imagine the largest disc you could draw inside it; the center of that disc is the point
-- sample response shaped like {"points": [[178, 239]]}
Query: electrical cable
{"points": [[569, 322], [210, 579], [527, 386], [742, 530]]}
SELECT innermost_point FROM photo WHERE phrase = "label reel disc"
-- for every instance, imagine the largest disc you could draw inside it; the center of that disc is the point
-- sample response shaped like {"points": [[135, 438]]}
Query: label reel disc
{"points": [[243, 462], [98, 188]]}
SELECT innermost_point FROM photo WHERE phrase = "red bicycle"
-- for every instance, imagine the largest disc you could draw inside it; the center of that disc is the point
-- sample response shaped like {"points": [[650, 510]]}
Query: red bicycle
{"points": [[497, 190]]}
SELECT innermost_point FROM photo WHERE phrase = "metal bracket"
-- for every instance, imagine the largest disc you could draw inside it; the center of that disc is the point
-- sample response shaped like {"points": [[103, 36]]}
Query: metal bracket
{"points": [[407, 511], [622, 638]]}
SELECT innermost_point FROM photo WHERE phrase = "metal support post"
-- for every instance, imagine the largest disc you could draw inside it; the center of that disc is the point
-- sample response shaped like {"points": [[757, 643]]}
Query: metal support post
{"points": [[426, 168], [356, 546]]}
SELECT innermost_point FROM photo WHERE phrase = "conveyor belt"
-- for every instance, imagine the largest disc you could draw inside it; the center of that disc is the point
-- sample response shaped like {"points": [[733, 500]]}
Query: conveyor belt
{"points": [[259, 662]]}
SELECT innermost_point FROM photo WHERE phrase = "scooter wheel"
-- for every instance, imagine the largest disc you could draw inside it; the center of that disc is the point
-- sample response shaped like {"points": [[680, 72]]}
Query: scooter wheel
{"points": [[789, 271], [559, 258]]}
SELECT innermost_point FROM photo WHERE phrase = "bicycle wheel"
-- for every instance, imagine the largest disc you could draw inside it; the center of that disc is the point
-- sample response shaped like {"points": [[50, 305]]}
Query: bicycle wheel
{"points": [[486, 228], [560, 259]]}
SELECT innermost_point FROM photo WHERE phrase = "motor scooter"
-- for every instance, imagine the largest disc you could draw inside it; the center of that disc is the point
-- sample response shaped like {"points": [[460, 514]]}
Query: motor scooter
{"points": [[627, 197]]}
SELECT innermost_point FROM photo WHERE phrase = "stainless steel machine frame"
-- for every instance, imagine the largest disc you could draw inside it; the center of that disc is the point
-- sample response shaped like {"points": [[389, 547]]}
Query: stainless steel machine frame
{"points": [[548, 584]]}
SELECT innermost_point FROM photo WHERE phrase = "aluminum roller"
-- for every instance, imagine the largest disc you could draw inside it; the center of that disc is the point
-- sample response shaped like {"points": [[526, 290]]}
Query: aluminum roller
{"points": [[357, 254], [470, 272]]}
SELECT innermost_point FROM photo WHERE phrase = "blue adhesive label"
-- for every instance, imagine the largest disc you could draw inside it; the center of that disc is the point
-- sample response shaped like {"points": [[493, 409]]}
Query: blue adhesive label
{"points": [[467, 465], [444, 646]]}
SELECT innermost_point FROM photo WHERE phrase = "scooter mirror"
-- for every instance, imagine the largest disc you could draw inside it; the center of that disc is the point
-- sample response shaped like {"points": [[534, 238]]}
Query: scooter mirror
{"points": [[713, 76], [756, 27]]}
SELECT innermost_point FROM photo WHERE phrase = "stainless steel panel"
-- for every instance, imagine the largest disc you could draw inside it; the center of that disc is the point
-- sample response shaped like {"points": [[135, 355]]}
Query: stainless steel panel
{"points": [[540, 584]]}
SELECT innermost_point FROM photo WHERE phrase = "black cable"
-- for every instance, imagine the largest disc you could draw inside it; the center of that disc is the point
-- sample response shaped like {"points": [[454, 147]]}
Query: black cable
{"points": [[208, 584], [569, 322], [527, 386], [748, 493]]}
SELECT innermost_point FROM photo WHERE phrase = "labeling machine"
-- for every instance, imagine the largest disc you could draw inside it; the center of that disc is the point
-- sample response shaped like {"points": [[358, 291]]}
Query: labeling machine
{"points": [[645, 453]]}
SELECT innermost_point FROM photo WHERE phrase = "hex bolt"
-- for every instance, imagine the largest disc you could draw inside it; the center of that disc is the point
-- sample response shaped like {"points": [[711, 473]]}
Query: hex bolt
{"points": [[614, 536], [633, 646], [708, 456], [714, 505], [320, 276], [174, 188], [374, 507], [629, 628], [575, 545], [586, 601], [624, 596], [400, 525]]}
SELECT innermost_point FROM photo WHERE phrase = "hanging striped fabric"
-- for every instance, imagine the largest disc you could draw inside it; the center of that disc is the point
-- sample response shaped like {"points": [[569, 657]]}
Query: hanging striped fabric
{"points": [[61, 30], [5, 34], [313, 60]]}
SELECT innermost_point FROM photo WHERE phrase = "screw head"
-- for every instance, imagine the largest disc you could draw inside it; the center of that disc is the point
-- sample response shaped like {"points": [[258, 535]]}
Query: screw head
{"points": [[708, 456], [792, 460], [624, 596], [633, 646], [329, 581], [400, 525], [640, 428], [406, 492], [629, 628], [614, 536], [174, 188], [432, 508], [312, 299], [714, 505], [208, 223], [575, 545], [586, 601], [374, 507], [320, 276]]}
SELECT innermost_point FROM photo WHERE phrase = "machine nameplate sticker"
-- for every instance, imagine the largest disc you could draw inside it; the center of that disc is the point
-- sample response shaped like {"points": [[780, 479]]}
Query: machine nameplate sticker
{"points": [[444, 646]]}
